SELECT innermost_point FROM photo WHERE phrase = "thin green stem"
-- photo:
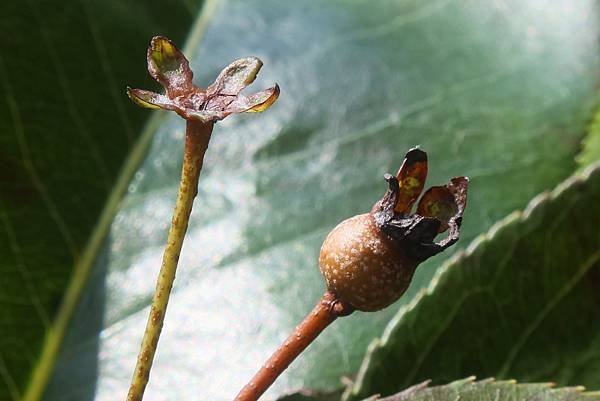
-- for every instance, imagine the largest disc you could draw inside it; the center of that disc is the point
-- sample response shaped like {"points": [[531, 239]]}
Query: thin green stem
{"points": [[196, 143]]}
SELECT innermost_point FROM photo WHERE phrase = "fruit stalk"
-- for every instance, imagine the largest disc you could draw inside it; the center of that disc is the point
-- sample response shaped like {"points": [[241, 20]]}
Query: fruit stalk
{"points": [[324, 313], [196, 142]]}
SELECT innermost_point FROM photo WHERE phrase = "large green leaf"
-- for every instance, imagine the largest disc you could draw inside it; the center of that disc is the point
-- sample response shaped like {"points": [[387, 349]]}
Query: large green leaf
{"points": [[469, 390], [521, 302], [65, 131], [499, 92]]}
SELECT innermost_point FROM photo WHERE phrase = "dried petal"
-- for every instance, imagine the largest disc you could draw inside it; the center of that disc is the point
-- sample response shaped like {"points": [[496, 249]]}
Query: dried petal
{"points": [[255, 103], [150, 99], [235, 77], [411, 180], [169, 67]]}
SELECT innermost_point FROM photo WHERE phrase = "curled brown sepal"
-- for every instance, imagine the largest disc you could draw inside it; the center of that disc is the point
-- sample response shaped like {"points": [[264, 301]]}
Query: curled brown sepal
{"points": [[440, 209], [169, 67]]}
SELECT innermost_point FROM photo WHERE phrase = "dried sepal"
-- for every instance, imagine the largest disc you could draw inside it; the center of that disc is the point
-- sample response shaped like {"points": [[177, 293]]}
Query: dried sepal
{"points": [[148, 99], [235, 77], [255, 103], [438, 202], [169, 67], [411, 179], [446, 211]]}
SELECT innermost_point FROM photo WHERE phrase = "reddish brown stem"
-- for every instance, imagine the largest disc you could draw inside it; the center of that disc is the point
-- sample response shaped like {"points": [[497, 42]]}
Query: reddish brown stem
{"points": [[324, 313]]}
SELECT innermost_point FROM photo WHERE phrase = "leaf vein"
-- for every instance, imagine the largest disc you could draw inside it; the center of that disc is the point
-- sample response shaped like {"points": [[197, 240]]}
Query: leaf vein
{"points": [[108, 73], [71, 107], [569, 285], [30, 167]]}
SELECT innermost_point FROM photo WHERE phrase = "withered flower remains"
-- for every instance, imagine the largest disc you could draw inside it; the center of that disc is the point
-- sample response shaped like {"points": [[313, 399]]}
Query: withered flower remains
{"points": [[368, 260], [169, 67], [200, 108]]}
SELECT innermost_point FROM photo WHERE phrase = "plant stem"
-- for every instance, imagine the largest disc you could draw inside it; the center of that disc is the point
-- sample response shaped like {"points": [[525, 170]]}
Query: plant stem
{"points": [[197, 136], [324, 313]]}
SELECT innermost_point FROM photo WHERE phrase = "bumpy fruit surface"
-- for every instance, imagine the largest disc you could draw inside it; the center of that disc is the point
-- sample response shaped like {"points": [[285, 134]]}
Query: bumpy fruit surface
{"points": [[369, 260], [361, 265]]}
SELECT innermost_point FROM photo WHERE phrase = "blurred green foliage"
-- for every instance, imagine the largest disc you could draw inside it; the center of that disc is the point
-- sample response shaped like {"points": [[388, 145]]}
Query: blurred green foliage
{"points": [[500, 92]]}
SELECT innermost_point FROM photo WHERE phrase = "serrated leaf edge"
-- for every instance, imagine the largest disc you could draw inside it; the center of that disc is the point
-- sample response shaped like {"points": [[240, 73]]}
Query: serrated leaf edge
{"points": [[471, 381], [590, 141]]}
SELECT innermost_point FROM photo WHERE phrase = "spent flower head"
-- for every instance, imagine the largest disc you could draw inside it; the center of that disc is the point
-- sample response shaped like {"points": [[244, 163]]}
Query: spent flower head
{"points": [[440, 209], [169, 67], [368, 260]]}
